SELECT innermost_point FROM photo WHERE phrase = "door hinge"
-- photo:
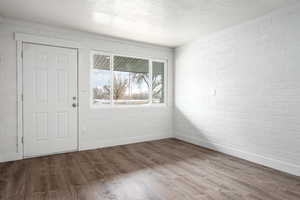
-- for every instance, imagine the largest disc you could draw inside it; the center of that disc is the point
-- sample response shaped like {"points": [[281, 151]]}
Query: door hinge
{"points": [[22, 54], [22, 97], [22, 140]]}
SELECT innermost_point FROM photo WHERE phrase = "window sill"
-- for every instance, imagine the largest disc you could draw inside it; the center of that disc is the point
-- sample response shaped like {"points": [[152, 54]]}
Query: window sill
{"points": [[162, 105]]}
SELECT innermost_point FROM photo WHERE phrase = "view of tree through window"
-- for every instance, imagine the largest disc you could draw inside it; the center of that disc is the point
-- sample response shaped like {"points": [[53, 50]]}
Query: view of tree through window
{"points": [[101, 79], [131, 85], [130, 78], [157, 82]]}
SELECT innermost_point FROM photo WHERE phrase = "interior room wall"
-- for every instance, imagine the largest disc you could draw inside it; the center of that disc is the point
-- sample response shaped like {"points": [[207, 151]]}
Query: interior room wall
{"points": [[238, 90], [97, 127]]}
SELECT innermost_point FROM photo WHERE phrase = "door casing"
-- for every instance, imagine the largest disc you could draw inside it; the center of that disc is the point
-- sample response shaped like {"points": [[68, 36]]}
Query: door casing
{"points": [[21, 38], [59, 121]]}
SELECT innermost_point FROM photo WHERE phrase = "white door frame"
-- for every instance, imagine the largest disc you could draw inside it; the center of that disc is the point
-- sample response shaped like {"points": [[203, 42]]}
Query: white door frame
{"points": [[20, 39]]}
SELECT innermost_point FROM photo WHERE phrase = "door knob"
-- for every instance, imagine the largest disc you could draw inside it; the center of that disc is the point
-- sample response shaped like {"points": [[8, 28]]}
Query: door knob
{"points": [[74, 105]]}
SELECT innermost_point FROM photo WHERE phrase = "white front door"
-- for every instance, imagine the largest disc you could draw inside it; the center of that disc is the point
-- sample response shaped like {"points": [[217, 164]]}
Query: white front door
{"points": [[50, 90]]}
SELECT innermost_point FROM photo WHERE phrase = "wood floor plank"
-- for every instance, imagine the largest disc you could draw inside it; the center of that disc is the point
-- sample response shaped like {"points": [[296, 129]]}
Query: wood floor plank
{"points": [[167, 169]]}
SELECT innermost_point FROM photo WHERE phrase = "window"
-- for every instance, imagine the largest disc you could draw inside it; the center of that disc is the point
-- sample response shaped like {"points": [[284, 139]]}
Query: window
{"points": [[131, 80], [121, 80], [101, 79], [158, 80]]}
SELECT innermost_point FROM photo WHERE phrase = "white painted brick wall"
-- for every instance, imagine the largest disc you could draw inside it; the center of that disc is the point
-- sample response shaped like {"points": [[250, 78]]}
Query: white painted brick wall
{"points": [[238, 91]]}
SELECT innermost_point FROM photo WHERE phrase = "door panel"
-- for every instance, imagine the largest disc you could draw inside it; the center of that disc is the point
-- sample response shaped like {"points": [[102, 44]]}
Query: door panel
{"points": [[50, 89]]}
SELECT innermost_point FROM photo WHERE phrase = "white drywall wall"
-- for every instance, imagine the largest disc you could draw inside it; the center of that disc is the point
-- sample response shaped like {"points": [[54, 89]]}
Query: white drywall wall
{"points": [[238, 91], [97, 127]]}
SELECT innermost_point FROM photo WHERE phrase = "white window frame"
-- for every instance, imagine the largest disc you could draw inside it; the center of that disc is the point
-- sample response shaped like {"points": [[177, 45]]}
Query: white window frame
{"points": [[112, 105]]}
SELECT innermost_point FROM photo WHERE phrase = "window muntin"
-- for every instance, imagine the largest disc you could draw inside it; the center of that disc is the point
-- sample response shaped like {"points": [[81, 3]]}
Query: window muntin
{"points": [[135, 81]]}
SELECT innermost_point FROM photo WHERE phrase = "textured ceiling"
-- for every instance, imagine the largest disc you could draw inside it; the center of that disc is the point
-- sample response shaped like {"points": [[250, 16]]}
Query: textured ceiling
{"points": [[164, 22]]}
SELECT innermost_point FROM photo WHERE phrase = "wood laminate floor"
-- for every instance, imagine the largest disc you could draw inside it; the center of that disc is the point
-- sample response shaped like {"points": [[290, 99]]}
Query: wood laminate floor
{"points": [[160, 170]]}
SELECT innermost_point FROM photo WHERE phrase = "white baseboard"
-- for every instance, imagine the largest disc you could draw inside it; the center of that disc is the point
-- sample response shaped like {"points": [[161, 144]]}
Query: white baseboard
{"points": [[10, 157], [269, 162], [87, 145]]}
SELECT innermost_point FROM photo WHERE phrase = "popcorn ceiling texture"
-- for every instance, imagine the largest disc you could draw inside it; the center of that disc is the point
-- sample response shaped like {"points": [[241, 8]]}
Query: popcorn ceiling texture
{"points": [[164, 22]]}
